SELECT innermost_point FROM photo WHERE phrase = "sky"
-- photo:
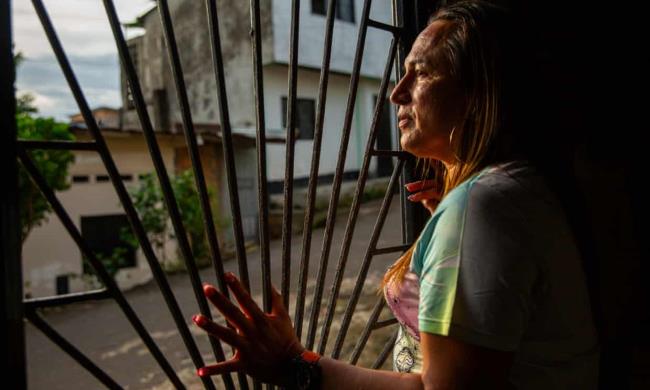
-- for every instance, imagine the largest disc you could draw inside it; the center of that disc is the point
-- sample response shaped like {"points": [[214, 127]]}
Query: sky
{"points": [[83, 29]]}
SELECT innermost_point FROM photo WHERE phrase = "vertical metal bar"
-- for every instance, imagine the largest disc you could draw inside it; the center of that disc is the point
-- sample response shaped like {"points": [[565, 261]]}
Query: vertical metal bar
{"points": [[365, 334], [224, 115], [260, 141], [71, 350], [12, 341], [165, 184], [226, 134], [120, 189], [290, 144], [384, 352], [197, 168], [338, 176], [260, 122], [313, 175], [363, 271], [356, 202], [97, 265], [412, 16]]}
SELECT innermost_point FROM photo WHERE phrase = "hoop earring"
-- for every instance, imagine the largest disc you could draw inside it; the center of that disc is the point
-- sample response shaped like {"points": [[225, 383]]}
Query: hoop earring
{"points": [[451, 143]]}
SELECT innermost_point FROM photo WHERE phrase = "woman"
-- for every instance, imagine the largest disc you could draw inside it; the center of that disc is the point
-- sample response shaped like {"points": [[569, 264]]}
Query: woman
{"points": [[492, 294]]}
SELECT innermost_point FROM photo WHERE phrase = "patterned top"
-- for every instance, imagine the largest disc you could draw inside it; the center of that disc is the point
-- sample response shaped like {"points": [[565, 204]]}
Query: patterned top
{"points": [[496, 266]]}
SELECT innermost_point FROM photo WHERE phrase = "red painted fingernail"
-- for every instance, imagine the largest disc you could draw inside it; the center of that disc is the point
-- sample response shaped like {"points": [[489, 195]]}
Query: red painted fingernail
{"points": [[230, 277], [200, 319], [201, 372], [209, 290]]}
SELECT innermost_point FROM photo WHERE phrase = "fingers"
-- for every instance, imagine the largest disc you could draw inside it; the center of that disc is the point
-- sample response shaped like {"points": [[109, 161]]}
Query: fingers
{"points": [[221, 332], [220, 368], [247, 303], [277, 306], [425, 195], [420, 185], [232, 313]]}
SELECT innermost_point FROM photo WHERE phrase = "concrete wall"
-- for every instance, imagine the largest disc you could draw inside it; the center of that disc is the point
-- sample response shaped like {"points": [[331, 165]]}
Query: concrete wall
{"points": [[275, 87], [312, 36], [193, 39], [49, 251]]}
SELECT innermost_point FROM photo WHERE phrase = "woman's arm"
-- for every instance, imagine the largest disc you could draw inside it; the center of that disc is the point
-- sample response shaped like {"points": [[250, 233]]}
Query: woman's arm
{"points": [[265, 342], [447, 364], [338, 375]]}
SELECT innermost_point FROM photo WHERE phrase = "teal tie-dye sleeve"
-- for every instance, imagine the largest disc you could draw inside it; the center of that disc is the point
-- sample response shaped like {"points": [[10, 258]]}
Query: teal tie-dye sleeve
{"points": [[436, 261], [476, 268]]}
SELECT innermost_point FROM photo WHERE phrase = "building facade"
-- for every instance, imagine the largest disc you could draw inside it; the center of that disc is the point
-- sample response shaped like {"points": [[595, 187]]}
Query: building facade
{"points": [[52, 262]]}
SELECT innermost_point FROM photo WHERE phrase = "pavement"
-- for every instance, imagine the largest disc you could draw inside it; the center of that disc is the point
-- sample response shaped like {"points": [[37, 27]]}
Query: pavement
{"points": [[100, 330]]}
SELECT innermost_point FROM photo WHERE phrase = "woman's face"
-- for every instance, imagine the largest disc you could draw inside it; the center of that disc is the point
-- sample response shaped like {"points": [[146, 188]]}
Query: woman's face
{"points": [[430, 101]]}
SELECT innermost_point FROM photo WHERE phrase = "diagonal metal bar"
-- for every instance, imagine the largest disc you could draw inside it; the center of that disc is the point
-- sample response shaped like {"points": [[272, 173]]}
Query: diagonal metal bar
{"points": [[391, 249], [226, 135], [71, 350], [338, 176], [383, 324], [165, 184], [57, 145], [356, 202], [313, 175], [363, 271], [98, 266], [390, 153], [260, 139], [120, 189], [395, 30], [290, 147], [385, 352], [365, 334], [224, 115], [66, 299]]}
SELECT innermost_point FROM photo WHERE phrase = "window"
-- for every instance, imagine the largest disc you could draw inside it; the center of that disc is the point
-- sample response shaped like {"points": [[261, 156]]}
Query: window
{"points": [[319, 7], [305, 117], [344, 9], [80, 179], [104, 236], [102, 178]]}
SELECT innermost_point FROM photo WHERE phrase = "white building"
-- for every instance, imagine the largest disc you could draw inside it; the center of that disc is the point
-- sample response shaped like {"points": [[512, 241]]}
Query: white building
{"points": [[193, 41]]}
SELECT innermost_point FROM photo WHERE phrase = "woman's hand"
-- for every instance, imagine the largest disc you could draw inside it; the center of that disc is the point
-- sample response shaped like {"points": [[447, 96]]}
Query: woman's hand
{"points": [[264, 343], [426, 193]]}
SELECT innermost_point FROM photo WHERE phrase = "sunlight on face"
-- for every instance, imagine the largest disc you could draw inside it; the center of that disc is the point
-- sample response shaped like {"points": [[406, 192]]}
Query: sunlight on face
{"points": [[430, 101]]}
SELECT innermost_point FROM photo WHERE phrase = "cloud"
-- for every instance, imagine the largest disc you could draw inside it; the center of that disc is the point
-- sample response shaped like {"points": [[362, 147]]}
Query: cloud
{"points": [[85, 34], [42, 77]]}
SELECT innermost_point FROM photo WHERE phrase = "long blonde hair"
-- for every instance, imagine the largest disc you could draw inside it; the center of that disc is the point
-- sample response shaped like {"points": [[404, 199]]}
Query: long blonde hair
{"points": [[475, 56]]}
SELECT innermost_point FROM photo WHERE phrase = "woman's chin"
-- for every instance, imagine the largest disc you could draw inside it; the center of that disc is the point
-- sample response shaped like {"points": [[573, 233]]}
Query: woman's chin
{"points": [[411, 147]]}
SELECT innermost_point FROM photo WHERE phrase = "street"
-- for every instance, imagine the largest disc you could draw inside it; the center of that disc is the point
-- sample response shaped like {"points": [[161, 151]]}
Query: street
{"points": [[100, 330]]}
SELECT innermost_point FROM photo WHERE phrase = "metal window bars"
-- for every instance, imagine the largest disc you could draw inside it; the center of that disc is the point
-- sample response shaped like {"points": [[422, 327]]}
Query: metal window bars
{"points": [[401, 40]]}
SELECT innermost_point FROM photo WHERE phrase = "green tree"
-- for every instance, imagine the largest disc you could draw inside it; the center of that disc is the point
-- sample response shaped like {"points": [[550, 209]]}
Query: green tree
{"points": [[52, 164], [149, 202]]}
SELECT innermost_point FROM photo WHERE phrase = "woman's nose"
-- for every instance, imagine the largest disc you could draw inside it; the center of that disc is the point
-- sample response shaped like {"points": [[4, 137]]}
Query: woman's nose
{"points": [[401, 94]]}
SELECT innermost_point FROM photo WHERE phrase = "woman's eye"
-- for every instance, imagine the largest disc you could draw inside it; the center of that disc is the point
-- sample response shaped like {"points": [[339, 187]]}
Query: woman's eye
{"points": [[420, 73]]}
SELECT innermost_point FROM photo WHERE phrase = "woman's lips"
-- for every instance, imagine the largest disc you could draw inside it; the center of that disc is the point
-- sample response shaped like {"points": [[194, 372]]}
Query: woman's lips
{"points": [[403, 123]]}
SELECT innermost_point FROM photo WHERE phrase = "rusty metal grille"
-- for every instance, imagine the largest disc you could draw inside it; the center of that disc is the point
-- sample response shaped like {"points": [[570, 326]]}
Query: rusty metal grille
{"points": [[411, 220]]}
